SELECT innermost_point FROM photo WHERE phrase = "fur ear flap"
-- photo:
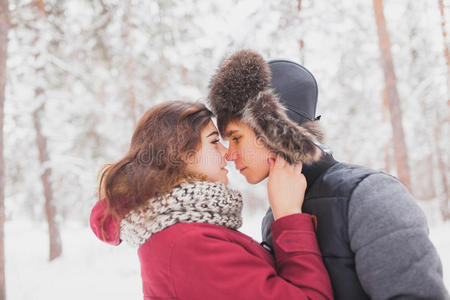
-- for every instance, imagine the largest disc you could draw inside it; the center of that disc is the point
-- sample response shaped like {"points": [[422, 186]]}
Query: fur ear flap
{"points": [[239, 78], [268, 118]]}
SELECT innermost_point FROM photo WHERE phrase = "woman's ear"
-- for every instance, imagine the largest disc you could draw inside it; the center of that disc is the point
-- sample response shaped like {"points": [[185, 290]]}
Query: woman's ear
{"points": [[189, 157]]}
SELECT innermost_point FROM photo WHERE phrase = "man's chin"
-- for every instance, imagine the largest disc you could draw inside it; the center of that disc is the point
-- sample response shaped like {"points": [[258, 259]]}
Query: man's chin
{"points": [[254, 180]]}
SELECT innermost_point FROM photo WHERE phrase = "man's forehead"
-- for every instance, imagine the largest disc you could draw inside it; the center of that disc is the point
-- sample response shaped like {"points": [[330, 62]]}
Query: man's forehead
{"points": [[234, 127]]}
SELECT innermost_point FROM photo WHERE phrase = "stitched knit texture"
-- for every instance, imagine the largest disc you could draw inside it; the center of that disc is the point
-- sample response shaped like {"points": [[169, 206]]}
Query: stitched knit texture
{"points": [[202, 202]]}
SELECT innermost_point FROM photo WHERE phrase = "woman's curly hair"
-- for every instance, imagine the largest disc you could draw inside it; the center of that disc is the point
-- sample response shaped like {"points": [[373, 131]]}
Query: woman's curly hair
{"points": [[164, 138]]}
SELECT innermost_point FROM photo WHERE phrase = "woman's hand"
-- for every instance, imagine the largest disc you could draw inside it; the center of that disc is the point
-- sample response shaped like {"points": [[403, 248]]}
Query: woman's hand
{"points": [[286, 187]]}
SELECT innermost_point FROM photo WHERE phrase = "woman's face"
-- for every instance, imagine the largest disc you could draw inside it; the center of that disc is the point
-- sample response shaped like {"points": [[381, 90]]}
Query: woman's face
{"points": [[209, 160]]}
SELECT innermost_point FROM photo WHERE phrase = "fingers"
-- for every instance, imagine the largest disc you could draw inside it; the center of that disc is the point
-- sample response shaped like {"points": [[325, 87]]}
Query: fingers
{"points": [[280, 162], [271, 163], [298, 168]]}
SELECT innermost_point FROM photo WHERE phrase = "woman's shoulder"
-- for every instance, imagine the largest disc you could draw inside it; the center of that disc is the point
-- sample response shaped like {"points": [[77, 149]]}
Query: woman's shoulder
{"points": [[187, 239], [181, 231], [194, 235]]}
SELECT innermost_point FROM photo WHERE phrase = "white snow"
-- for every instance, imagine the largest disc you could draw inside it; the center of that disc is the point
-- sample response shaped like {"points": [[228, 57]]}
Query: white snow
{"points": [[440, 235], [90, 269]]}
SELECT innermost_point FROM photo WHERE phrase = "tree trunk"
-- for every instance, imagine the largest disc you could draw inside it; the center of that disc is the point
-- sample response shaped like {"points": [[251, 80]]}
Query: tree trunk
{"points": [[301, 42], [423, 174], [302, 52], [400, 152], [130, 70], [41, 142], [445, 209], [388, 145], [445, 204], [387, 157], [54, 236], [4, 25], [446, 51]]}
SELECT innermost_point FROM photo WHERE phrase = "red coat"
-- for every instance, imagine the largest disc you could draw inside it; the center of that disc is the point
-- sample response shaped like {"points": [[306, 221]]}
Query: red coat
{"points": [[202, 261]]}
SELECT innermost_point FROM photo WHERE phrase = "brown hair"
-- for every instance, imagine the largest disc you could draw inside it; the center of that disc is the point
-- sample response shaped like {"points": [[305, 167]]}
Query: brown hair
{"points": [[225, 119], [164, 138]]}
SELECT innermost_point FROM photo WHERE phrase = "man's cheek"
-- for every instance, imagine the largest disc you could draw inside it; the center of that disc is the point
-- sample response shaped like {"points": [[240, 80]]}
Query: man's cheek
{"points": [[248, 157]]}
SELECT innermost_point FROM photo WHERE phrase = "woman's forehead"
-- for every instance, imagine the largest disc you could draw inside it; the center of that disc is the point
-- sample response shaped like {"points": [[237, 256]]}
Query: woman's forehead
{"points": [[210, 129]]}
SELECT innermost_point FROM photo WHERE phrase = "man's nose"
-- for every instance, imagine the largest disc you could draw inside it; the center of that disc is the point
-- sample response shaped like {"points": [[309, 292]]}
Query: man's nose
{"points": [[231, 155]]}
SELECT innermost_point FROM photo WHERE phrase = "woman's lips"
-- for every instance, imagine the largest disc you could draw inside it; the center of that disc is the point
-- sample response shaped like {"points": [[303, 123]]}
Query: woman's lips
{"points": [[240, 170]]}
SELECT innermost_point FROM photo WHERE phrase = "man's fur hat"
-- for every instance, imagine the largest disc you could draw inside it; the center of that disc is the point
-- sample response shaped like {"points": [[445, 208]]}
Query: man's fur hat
{"points": [[241, 90]]}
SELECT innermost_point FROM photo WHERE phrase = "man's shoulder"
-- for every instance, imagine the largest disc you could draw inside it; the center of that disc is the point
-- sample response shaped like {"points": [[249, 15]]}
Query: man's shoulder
{"points": [[382, 199], [367, 179], [352, 169], [342, 178]]}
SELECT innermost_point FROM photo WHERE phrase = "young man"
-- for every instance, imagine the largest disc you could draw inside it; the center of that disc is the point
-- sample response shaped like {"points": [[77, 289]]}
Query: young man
{"points": [[372, 234]]}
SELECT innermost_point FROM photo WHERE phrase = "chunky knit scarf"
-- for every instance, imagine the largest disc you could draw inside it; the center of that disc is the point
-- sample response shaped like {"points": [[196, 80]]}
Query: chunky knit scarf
{"points": [[202, 201]]}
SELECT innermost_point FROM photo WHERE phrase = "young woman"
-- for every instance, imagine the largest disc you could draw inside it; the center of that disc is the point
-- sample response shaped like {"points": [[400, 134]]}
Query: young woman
{"points": [[169, 197]]}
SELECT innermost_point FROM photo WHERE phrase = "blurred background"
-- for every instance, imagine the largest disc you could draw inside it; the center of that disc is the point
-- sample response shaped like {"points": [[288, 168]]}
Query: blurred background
{"points": [[76, 75]]}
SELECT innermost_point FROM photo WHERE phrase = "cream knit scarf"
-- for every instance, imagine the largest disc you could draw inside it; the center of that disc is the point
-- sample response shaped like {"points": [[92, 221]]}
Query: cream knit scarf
{"points": [[201, 201]]}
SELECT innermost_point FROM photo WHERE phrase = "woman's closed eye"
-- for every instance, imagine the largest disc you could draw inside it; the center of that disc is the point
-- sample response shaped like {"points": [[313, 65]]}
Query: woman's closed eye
{"points": [[215, 141]]}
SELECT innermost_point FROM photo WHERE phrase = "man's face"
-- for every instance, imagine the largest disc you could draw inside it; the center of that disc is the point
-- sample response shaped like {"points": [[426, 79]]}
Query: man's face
{"points": [[247, 151]]}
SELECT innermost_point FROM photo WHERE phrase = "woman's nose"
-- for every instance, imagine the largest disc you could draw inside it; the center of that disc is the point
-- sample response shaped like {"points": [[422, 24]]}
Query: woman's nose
{"points": [[223, 150]]}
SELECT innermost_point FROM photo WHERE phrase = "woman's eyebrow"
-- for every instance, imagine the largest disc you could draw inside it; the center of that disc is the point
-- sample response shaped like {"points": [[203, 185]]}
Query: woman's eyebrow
{"points": [[213, 133]]}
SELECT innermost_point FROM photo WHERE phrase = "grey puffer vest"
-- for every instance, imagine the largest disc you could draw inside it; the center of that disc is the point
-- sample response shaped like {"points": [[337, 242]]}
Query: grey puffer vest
{"points": [[328, 199]]}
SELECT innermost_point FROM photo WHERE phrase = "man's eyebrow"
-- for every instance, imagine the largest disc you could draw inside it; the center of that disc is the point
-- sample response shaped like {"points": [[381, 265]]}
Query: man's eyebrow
{"points": [[213, 133], [230, 133]]}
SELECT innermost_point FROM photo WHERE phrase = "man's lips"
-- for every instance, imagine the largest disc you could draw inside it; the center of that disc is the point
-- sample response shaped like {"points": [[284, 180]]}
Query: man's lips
{"points": [[223, 168]]}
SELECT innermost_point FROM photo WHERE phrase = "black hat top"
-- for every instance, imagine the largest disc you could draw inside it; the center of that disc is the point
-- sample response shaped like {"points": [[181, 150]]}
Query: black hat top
{"points": [[296, 88]]}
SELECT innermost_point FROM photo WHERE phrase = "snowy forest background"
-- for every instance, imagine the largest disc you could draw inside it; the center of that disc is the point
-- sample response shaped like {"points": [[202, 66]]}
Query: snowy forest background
{"points": [[80, 73]]}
